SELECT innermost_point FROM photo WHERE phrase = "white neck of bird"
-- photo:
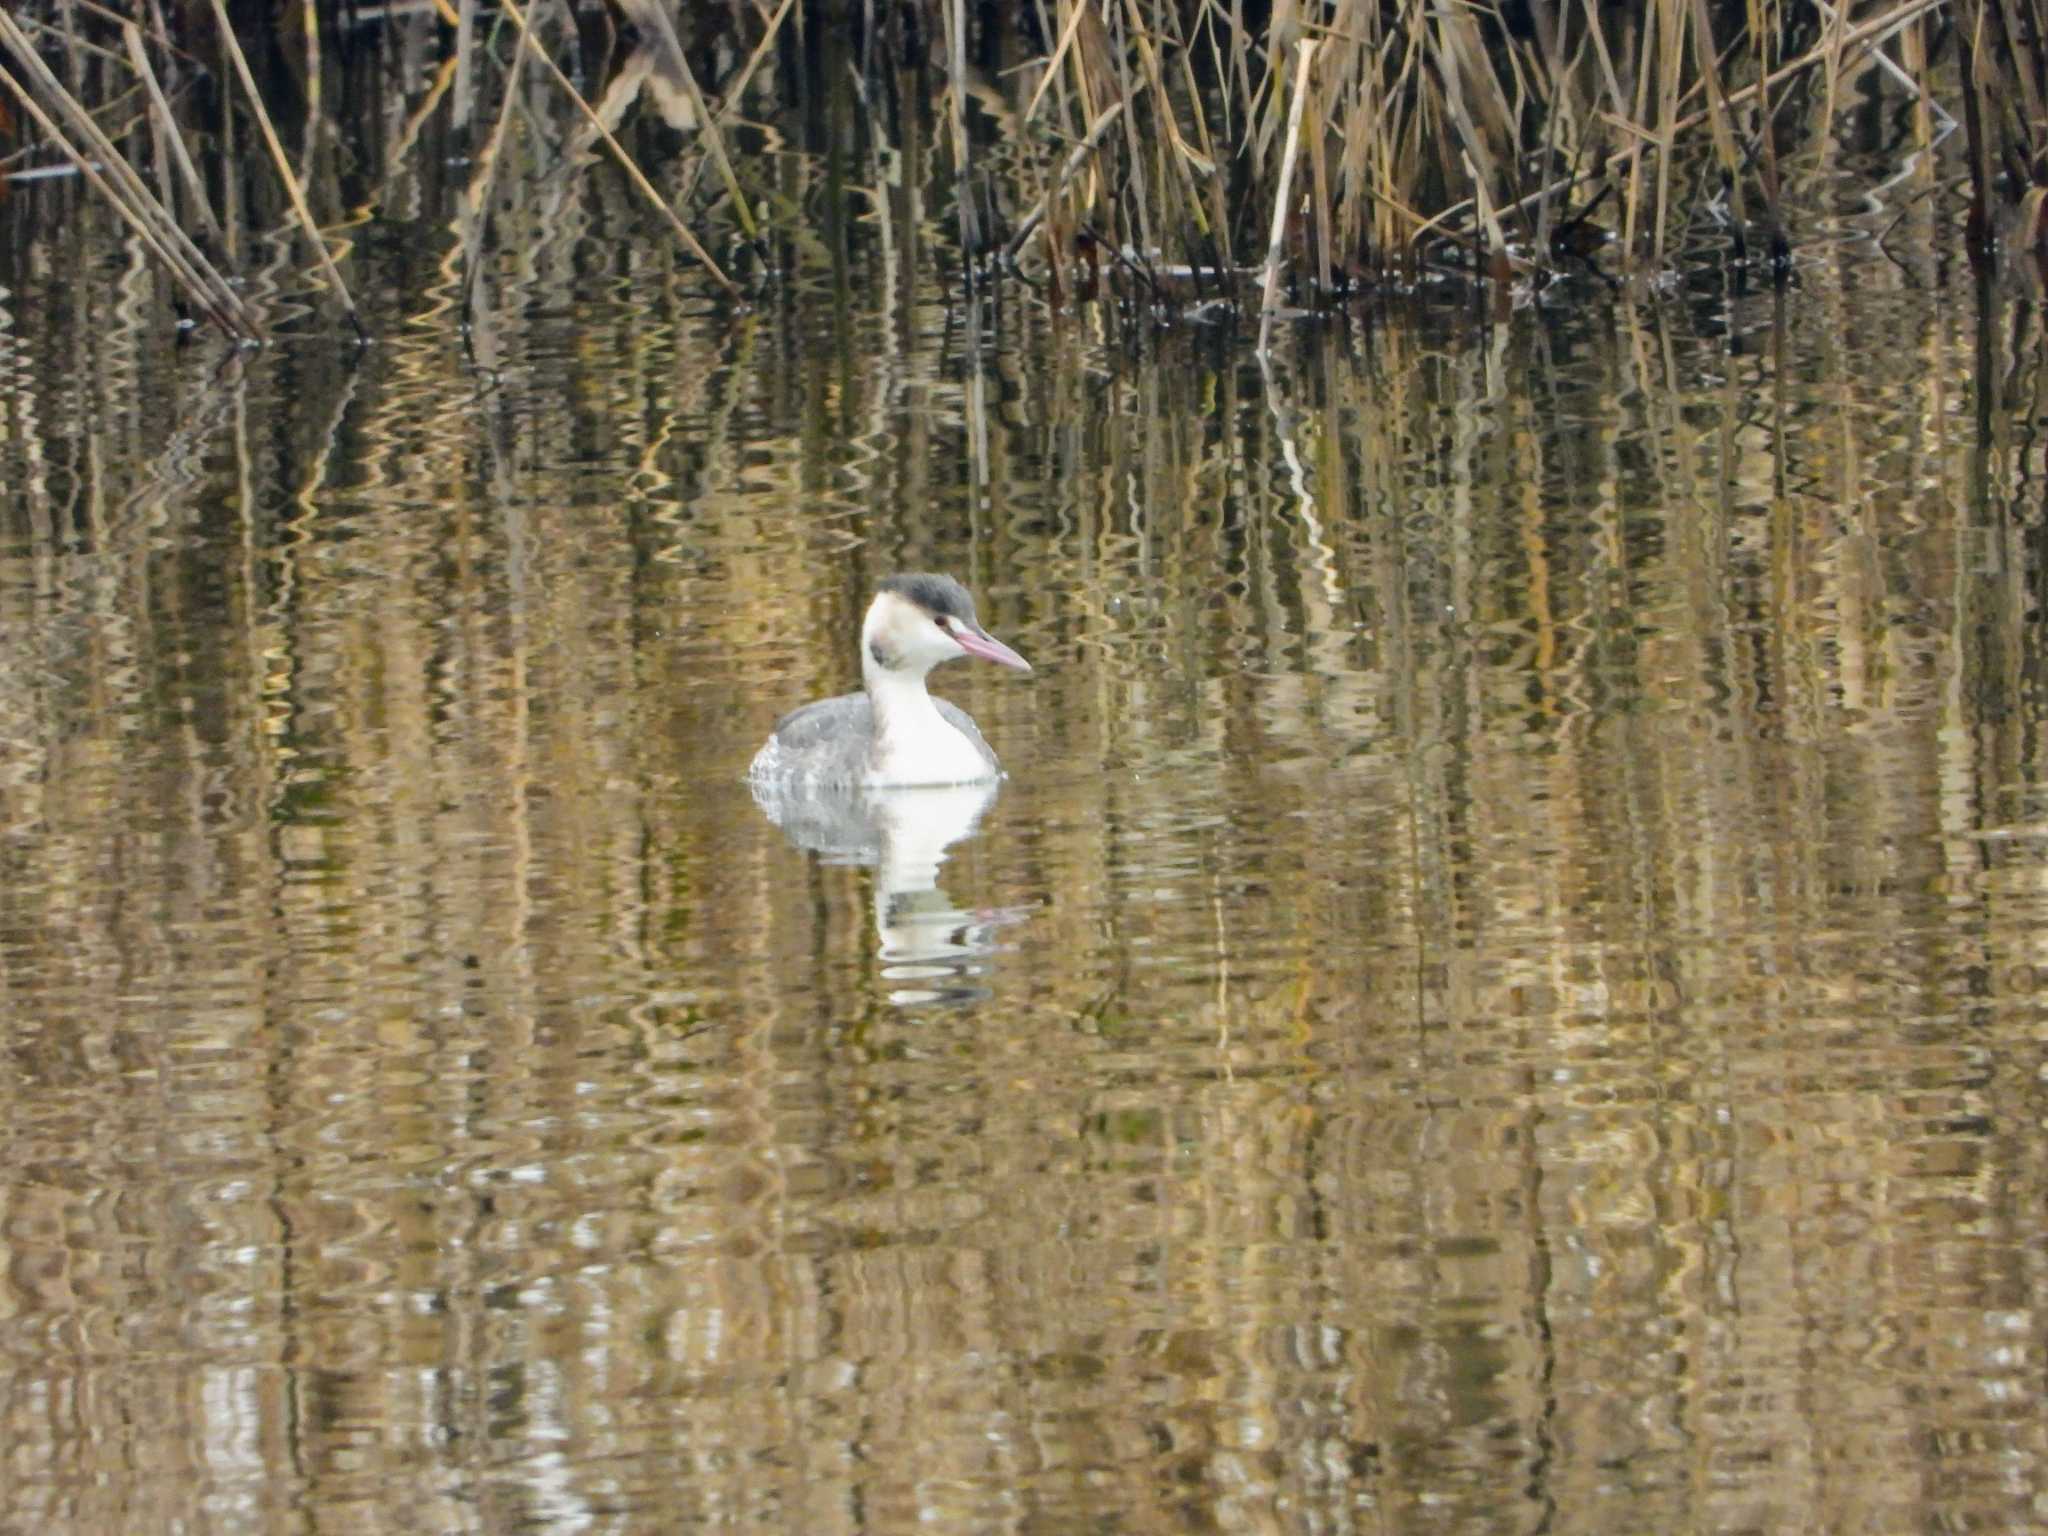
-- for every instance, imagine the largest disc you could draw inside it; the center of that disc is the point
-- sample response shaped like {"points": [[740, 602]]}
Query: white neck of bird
{"points": [[914, 743]]}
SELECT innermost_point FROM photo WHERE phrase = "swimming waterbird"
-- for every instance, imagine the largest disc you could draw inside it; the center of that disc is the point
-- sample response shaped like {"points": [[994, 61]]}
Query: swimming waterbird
{"points": [[893, 732]]}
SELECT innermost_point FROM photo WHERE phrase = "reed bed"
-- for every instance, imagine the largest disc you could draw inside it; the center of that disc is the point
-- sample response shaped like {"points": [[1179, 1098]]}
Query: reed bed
{"points": [[1163, 154]]}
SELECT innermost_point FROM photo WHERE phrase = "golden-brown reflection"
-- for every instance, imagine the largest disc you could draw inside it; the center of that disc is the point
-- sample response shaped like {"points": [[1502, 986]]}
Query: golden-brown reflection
{"points": [[1529, 1012]]}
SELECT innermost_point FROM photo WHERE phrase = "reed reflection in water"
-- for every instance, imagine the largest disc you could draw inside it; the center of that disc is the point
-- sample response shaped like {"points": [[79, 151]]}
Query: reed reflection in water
{"points": [[1504, 988], [904, 833]]}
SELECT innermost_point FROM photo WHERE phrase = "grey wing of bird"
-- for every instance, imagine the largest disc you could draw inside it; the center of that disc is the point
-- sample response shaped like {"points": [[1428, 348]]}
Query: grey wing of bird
{"points": [[850, 717], [822, 743]]}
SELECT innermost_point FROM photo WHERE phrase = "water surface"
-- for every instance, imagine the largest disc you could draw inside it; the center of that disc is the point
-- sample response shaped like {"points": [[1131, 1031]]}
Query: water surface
{"points": [[1504, 990]]}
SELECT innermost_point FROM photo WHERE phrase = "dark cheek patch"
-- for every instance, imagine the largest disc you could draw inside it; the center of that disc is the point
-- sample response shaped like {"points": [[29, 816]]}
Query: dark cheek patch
{"points": [[881, 656]]}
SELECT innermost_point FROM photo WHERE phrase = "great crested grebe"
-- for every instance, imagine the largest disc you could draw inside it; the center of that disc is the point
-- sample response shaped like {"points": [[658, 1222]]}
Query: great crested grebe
{"points": [[894, 732]]}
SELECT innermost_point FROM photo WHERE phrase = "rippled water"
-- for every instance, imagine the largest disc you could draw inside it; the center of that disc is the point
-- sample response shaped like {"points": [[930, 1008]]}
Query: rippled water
{"points": [[1504, 991]]}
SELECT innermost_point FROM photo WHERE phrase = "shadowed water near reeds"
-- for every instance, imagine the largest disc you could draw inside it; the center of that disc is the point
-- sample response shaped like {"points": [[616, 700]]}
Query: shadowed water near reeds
{"points": [[1504, 990]]}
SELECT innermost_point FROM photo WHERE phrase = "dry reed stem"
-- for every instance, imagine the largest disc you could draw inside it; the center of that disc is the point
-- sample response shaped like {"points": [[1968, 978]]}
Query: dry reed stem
{"points": [[2015, 27], [284, 170], [1553, 30], [633, 172], [309, 25], [1052, 63], [1407, 88], [1972, 58], [1719, 128], [1055, 80], [227, 316], [1669, 32], [1219, 214], [160, 163], [1305, 54], [709, 122], [1837, 18], [73, 44], [1454, 51], [1181, 157], [1074, 162], [195, 184], [409, 132], [740, 81], [1866, 35], [1913, 43], [120, 184], [476, 192], [954, 19], [1319, 181], [1833, 20], [1134, 154], [1767, 132], [465, 64]]}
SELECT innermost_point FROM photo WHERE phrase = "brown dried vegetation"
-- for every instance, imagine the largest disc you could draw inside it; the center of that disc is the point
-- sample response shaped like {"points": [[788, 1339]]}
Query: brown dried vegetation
{"points": [[1179, 150]]}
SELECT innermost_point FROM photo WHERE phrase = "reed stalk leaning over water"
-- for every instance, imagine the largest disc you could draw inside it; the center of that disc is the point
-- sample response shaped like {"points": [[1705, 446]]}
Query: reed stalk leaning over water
{"points": [[108, 172]]}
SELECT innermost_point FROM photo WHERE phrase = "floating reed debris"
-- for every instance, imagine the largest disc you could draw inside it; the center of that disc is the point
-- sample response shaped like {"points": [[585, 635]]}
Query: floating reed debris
{"points": [[1361, 146]]}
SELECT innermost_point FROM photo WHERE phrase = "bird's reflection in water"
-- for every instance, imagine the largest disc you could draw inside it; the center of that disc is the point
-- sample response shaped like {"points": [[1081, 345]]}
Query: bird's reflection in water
{"points": [[936, 952]]}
